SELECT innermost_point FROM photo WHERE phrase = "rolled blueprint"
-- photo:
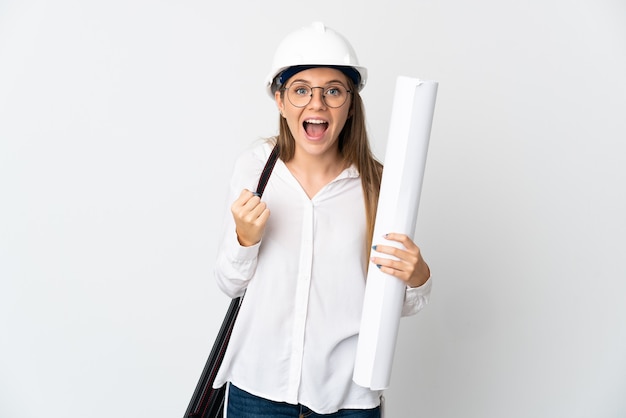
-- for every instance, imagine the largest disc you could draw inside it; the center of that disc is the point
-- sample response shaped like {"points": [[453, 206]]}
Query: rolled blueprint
{"points": [[401, 186]]}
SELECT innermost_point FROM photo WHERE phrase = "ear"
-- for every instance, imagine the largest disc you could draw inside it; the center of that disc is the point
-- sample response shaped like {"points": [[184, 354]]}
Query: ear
{"points": [[279, 102]]}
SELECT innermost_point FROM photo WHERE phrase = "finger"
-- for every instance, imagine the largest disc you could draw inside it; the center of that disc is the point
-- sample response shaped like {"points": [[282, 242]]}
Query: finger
{"points": [[263, 216], [409, 252], [387, 262], [401, 265], [394, 268], [241, 200], [249, 211], [245, 203], [399, 253], [252, 204], [245, 196], [254, 214], [401, 238]]}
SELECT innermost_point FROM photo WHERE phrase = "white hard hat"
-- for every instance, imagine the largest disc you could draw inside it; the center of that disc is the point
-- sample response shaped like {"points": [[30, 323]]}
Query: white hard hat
{"points": [[315, 46]]}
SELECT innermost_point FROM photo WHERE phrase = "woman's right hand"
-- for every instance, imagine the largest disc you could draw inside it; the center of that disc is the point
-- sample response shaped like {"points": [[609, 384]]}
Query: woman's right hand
{"points": [[250, 216]]}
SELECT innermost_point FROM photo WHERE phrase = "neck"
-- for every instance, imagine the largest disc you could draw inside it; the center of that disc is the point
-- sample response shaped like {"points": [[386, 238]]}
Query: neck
{"points": [[317, 164], [313, 172]]}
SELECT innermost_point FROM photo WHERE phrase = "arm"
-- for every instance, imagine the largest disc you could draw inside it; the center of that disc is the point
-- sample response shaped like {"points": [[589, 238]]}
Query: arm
{"points": [[235, 266], [243, 228]]}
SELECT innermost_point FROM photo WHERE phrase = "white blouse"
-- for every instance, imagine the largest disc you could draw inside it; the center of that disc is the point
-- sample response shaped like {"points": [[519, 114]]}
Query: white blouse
{"points": [[296, 334]]}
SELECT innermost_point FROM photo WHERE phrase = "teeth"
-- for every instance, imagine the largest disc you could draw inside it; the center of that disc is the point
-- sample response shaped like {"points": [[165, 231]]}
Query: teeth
{"points": [[315, 121]]}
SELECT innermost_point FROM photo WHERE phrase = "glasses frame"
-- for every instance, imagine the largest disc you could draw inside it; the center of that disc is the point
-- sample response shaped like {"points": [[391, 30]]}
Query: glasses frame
{"points": [[286, 90]]}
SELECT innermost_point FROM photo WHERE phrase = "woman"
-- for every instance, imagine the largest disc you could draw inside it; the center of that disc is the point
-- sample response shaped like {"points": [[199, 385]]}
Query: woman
{"points": [[301, 253]]}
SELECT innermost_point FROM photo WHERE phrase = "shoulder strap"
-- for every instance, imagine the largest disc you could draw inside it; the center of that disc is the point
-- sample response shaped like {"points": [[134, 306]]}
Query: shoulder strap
{"points": [[207, 401], [267, 170]]}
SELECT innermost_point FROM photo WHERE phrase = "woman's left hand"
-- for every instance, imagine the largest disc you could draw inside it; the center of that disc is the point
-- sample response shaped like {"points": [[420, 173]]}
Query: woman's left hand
{"points": [[409, 267]]}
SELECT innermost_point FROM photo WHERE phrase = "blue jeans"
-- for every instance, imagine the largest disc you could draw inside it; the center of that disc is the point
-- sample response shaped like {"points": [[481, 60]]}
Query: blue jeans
{"points": [[242, 404]]}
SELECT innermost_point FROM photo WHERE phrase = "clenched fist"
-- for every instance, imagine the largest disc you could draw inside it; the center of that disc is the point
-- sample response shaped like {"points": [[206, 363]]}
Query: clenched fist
{"points": [[250, 216]]}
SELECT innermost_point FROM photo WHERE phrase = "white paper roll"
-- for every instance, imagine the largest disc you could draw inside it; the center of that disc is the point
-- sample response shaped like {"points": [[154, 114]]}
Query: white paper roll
{"points": [[405, 161]]}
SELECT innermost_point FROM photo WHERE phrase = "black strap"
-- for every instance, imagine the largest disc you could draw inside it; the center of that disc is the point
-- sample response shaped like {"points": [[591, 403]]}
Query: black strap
{"points": [[267, 171], [208, 402]]}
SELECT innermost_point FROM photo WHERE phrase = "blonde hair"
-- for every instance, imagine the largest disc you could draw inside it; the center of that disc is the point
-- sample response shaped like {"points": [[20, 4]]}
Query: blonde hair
{"points": [[355, 149]]}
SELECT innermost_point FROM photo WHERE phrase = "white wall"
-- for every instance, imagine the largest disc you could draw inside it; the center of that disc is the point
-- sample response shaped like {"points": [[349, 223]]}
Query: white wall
{"points": [[119, 124]]}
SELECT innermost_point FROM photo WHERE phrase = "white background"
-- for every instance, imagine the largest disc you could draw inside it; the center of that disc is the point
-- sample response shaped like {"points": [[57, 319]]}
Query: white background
{"points": [[119, 125]]}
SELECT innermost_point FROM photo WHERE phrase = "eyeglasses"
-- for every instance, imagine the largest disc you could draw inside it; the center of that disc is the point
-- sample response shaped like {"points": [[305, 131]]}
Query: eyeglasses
{"points": [[334, 95]]}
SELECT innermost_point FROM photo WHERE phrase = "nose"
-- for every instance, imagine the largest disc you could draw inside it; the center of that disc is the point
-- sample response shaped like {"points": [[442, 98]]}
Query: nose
{"points": [[317, 101]]}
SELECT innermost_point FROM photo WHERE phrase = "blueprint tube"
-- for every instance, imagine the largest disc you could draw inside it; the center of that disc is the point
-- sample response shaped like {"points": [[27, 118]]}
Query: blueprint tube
{"points": [[405, 160]]}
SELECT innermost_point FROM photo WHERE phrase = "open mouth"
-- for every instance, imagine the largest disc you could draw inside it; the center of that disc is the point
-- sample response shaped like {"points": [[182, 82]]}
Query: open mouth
{"points": [[315, 128]]}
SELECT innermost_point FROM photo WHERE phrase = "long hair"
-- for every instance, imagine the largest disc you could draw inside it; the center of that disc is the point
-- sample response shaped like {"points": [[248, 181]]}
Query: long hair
{"points": [[355, 149]]}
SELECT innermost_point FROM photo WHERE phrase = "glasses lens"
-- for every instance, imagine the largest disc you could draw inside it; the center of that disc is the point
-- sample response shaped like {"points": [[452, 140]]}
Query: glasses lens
{"points": [[333, 95], [299, 94]]}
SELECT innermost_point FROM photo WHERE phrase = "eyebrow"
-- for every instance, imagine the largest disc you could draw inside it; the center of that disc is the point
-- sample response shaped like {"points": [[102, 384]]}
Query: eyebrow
{"points": [[300, 80]]}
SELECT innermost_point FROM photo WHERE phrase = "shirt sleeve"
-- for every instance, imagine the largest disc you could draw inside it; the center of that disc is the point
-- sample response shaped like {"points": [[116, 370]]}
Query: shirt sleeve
{"points": [[235, 264], [416, 298]]}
